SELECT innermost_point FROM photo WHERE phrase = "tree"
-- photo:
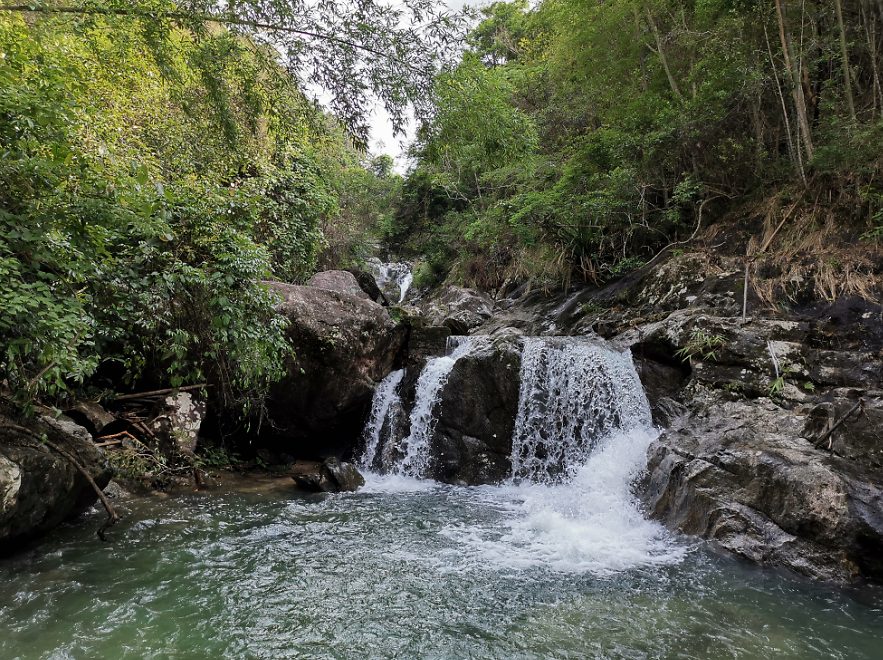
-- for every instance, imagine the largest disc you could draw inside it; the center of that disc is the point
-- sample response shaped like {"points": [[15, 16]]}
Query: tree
{"points": [[351, 50]]}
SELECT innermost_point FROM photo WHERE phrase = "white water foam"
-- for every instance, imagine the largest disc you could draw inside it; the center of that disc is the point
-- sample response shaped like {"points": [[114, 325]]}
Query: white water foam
{"points": [[574, 393], [395, 483], [390, 275], [385, 397], [589, 525]]}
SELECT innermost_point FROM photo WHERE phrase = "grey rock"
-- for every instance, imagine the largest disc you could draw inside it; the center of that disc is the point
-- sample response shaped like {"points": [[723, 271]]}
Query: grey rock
{"points": [[368, 284], [38, 486], [459, 309], [344, 475], [738, 473], [343, 345], [472, 440], [340, 281], [93, 413], [176, 420], [334, 476]]}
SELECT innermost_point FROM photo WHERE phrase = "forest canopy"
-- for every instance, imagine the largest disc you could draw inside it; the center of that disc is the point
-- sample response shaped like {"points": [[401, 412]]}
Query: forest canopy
{"points": [[577, 138], [158, 160]]}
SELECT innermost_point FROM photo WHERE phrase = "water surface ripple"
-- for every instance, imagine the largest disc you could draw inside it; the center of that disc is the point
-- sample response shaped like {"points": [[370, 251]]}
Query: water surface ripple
{"points": [[407, 569]]}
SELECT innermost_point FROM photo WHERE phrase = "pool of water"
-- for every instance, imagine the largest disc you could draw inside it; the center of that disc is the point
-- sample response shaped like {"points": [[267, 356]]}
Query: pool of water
{"points": [[413, 570]]}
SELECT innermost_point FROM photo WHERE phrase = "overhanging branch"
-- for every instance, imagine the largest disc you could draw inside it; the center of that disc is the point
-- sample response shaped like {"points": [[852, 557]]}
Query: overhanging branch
{"points": [[188, 17]]}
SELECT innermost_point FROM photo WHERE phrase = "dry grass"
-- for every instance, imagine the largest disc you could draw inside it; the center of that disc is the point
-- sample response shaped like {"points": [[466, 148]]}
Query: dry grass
{"points": [[818, 249]]}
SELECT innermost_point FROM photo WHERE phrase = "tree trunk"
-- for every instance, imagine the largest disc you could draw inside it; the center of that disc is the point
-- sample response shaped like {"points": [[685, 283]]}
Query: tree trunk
{"points": [[844, 53], [661, 52], [796, 83]]}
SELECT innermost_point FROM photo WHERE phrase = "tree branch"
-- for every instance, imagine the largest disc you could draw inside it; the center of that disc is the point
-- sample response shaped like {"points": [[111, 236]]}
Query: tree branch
{"points": [[185, 16], [112, 516]]}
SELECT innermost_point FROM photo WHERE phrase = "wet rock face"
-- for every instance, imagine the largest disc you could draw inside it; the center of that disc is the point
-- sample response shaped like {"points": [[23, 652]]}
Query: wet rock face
{"points": [[739, 474], [472, 441], [38, 487], [459, 309], [859, 437], [343, 345]]}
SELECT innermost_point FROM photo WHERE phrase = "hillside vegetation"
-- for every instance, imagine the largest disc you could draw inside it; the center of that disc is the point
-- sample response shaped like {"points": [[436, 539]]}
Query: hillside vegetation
{"points": [[576, 139], [150, 177]]}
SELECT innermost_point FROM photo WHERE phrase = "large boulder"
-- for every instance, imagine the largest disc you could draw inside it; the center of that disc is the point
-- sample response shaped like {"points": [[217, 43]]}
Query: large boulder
{"points": [[343, 345], [472, 441], [339, 280], [39, 487], [739, 474], [176, 420], [369, 285]]}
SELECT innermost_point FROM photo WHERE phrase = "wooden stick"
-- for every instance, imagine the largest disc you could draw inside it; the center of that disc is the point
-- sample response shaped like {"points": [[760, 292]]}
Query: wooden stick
{"points": [[830, 432], [108, 444], [112, 516], [141, 395], [115, 435]]}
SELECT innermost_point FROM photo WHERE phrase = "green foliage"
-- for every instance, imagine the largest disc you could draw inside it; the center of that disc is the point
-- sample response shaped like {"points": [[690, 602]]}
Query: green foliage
{"points": [[598, 133], [701, 345], [141, 202]]}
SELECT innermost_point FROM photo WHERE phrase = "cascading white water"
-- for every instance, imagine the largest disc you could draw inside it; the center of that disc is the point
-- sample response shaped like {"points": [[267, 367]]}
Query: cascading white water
{"points": [[385, 397], [393, 277], [574, 393], [581, 436], [432, 379]]}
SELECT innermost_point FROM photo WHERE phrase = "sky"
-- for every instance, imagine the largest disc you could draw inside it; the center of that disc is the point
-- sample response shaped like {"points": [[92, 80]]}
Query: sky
{"points": [[382, 140]]}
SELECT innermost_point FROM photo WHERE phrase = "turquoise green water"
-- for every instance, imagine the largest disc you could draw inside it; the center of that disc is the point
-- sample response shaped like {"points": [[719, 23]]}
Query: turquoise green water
{"points": [[406, 570]]}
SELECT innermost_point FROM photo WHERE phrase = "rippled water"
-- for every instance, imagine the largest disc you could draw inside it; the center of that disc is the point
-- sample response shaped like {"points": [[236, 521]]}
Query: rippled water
{"points": [[409, 569]]}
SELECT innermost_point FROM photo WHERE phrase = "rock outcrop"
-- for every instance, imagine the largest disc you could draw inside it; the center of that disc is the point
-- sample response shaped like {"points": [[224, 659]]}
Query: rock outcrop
{"points": [[343, 345], [341, 281], [175, 421], [477, 407], [745, 403], [38, 487], [739, 474], [459, 309]]}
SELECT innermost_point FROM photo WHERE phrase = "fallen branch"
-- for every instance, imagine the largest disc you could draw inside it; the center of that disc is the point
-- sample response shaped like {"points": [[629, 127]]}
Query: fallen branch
{"points": [[112, 516], [830, 432], [108, 444], [117, 435], [141, 395]]}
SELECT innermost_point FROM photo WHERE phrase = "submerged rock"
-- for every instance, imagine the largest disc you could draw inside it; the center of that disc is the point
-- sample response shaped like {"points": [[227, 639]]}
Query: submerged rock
{"points": [[38, 487], [334, 476]]}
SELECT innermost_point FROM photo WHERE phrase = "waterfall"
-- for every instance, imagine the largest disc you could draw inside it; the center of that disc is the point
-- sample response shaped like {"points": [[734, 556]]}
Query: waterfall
{"points": [[410, 455], [432, 379], [574, 393], [394, 279], [385, 398]]}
